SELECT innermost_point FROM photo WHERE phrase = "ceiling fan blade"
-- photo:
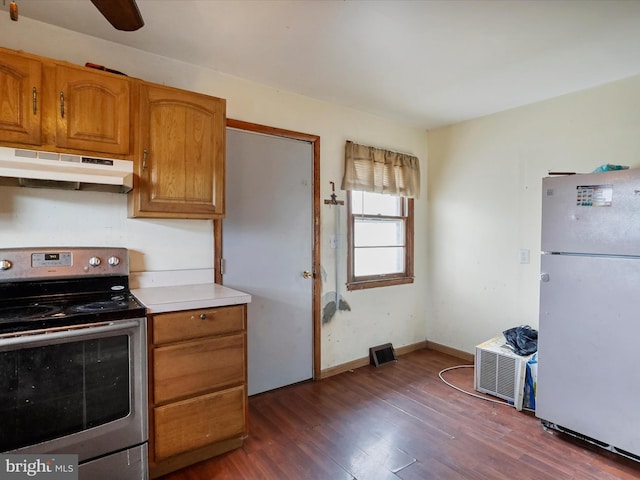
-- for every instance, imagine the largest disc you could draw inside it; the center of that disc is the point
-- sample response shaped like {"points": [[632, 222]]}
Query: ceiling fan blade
{"points": [[122, 14]]}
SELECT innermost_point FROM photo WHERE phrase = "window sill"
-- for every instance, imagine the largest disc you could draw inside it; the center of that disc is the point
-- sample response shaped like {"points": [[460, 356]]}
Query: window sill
{"points": [[383, 282]]}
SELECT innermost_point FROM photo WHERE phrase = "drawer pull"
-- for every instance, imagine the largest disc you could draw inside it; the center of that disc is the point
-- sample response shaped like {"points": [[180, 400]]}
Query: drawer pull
{"points": [[203, 316]]}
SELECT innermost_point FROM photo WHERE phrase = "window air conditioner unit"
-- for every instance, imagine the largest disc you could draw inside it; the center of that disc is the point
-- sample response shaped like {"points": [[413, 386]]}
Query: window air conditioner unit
{"points": [[500, 372]]}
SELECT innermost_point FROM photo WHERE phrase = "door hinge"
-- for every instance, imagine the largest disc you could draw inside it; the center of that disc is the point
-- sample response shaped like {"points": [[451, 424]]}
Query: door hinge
{"points": [[223, 264]]}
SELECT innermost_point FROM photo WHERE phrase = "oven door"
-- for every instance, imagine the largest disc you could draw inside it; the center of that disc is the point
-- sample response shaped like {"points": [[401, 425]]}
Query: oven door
{"points": [[81, 390]]}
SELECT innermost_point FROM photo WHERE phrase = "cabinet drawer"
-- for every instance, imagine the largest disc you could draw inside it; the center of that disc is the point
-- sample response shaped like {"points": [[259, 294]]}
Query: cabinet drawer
{"points": [[199, 366], [199, 421], [176, 326]]}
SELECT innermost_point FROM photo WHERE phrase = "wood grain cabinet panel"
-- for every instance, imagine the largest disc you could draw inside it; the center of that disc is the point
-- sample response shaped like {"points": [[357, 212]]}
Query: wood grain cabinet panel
{"points": [[179, 155], [194, 367], [54, 106], [191, 324], [20, 99], [194, 423], [92, 111]]}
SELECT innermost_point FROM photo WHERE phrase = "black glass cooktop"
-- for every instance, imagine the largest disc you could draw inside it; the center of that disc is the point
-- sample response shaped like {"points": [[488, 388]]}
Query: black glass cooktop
{"points": [[44, 305], [53, 312]]}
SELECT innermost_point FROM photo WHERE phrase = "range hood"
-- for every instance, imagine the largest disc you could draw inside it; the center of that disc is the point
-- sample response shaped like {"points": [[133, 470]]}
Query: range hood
{"points": [[35, 168]]}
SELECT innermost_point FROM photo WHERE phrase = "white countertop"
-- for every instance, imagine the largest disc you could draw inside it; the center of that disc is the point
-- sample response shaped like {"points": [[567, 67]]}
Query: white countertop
{"points": [[187, 297]]}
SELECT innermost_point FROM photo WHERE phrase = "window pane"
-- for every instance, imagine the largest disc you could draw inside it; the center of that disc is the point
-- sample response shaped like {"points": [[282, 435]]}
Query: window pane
{"points": [[357, 199], [375, 204], [378, 261], [378, 204], [369, 232]]}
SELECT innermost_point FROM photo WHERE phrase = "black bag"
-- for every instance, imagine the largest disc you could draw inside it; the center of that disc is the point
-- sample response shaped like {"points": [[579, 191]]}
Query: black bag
{"points": [[523, 340]]}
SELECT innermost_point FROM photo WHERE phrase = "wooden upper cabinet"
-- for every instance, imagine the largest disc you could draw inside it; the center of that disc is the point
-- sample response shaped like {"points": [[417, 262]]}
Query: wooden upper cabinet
{"points": [[92, 111], [20, 99], [179, 154], [53, 106]]}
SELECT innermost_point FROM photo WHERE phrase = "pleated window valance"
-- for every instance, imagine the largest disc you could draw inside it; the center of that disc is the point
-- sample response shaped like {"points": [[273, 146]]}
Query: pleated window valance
{"points": [[371, 169]]}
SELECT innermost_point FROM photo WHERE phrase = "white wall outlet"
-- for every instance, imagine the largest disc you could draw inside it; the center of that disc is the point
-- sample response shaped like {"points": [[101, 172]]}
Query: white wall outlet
{"points": [[524, 256], [333, 241]]}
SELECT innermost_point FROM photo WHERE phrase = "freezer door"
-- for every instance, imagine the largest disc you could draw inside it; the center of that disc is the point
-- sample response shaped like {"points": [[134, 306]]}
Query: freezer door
{"points": [[588, 379], [595, 213]]}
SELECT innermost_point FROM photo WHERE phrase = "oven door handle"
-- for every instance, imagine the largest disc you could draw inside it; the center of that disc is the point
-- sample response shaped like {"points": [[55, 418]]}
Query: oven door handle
{"points": [[68, 333]]}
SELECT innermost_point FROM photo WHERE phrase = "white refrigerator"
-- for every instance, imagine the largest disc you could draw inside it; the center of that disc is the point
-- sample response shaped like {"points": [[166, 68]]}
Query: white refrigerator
{"points": [[589, 326]]}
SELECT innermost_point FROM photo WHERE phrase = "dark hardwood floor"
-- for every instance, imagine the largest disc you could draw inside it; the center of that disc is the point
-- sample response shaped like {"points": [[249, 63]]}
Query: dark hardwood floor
{"points": [[400, 421]]}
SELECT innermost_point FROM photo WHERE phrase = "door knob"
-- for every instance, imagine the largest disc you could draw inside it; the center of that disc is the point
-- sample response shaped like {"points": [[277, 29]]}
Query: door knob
{"points": [[307, 274], [545, 277]]}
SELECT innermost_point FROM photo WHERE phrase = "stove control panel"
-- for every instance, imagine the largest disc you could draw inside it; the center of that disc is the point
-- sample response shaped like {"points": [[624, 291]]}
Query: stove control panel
{"points": [[34, 263], [57, 259]]}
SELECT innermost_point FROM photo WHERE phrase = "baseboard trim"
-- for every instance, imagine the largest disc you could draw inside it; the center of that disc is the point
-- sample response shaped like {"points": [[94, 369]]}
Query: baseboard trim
{"points": [[344, 367], [362, 362], [411, 348], [469, 357]]}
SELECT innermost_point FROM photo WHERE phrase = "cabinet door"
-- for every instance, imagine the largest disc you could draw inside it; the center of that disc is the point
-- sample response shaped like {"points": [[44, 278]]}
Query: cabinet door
{"points": [[20, 99], [92, 111], [181, 150]]}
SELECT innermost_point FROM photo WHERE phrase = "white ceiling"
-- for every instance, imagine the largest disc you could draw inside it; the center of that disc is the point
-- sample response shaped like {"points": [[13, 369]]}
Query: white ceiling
{"points": [[428, 63]]}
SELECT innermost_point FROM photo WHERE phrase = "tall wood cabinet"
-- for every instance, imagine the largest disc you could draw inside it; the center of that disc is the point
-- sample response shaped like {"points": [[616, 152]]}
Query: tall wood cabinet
{"points": [[180, 148], [57, 106], [197, 385]]}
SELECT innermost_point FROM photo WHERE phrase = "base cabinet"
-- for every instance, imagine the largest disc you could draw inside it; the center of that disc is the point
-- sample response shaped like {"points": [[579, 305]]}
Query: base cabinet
{"points": [[198, 386]]}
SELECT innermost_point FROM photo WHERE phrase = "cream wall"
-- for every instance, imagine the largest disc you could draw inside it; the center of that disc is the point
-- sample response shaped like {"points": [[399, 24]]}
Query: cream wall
{"points": [[484, 203], [30, 217]]}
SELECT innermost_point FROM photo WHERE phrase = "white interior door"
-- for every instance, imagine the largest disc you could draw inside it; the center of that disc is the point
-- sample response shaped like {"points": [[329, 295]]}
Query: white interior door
{"points": [[267, 244]]}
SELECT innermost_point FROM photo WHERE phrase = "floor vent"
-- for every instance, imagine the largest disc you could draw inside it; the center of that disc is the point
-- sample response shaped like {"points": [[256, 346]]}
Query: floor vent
{"points": [[382, 354]]}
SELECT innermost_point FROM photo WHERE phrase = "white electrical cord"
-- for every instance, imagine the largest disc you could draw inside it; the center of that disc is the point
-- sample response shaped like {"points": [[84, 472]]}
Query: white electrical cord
{"points": [[470, 393]]}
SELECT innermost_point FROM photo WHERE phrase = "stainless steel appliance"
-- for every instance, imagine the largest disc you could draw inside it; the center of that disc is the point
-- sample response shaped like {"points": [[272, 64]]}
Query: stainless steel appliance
{"points": [[589, 308], [73, 371]]}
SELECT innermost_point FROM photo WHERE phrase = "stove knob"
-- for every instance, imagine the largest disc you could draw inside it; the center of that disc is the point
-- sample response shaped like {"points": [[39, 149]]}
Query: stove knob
{"points": [[94, 261], [113, 261], [5, 265]]}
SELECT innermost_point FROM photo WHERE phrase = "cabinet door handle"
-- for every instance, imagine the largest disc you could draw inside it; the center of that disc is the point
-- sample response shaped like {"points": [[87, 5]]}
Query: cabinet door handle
{"points": [[203, 316], [62, 104], [144, 159], [35, 100]]}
